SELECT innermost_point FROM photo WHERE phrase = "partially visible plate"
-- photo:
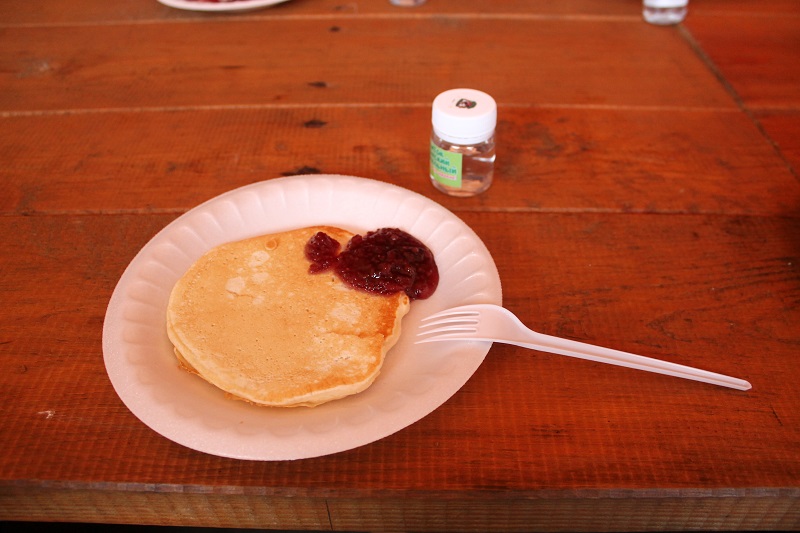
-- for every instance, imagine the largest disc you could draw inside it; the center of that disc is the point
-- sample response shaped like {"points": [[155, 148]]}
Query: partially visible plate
{"points": [[237, 5], [415, 379]]}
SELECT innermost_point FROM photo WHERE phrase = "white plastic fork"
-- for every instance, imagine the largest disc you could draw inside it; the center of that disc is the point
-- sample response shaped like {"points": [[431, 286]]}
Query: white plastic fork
{"points": [[486, 322]]}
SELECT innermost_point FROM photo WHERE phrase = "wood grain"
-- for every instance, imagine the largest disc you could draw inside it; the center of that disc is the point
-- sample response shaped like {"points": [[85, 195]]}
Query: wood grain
{"points": [[561, 424], [53, 12], [604, 279], [783, 129], [556, 513], [269, 62], [756, 55], [646, 199], [548, 159]]}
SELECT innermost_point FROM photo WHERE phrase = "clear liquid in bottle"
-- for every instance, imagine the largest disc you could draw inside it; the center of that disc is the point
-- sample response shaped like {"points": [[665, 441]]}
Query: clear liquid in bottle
{"points": [[462, 145], [476, 167]]}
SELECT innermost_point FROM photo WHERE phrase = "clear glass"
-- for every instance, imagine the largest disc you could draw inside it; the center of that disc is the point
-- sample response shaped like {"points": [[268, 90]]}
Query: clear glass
{"points": [[407, 3], [664, 16], [477, 166]]}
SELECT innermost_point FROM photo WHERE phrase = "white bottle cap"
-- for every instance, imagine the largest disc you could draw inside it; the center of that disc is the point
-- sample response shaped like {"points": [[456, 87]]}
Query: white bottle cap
{"points": [[666, 4], [464, 116]]}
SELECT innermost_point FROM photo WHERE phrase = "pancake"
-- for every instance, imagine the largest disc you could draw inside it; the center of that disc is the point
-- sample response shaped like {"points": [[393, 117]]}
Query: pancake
{"points": [[249, 318]]}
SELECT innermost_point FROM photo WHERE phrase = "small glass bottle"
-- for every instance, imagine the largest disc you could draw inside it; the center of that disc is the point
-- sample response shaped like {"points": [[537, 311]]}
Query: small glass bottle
{"points": [[462, 142], [664, 12]]}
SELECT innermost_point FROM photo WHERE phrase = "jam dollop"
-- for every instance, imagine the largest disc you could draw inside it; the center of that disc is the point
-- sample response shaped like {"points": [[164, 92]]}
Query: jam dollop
{"points": [[385, 261], [322, 250]]}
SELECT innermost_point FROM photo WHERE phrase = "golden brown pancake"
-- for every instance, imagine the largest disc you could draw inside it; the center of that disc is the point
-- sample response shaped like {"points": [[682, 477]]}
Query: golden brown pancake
{"points": [[249, 318]]}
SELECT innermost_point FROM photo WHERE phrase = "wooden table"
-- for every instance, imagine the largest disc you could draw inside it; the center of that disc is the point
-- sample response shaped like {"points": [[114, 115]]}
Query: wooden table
{"points": [[646, 198]]}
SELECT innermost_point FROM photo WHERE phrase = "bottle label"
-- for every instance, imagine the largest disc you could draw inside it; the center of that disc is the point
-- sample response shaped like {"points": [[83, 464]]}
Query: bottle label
{"points": [[446, 166]]}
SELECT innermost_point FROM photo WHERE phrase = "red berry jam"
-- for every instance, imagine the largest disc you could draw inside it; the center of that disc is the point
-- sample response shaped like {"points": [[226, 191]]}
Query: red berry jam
{"points": [[322, 250], [385, 261]]}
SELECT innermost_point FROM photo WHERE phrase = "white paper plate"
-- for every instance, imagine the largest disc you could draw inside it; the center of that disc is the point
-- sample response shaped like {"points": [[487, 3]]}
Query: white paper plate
{"points": [[415, 380], [239, 5]]}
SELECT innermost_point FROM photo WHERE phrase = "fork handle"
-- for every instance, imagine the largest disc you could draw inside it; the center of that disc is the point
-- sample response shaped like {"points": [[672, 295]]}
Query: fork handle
{"points": [[557, 345]]}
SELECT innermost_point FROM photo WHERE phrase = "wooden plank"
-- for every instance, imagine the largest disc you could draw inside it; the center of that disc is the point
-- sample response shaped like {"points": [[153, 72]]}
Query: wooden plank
{"points": [[757, 55], [769, 85], [784, 129], [568, 514], [50, 12], [646, 199], [263, 62], [54, 12], [751, 512], [170, 507], [549, 159], [745, 8], [718, 292]]}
